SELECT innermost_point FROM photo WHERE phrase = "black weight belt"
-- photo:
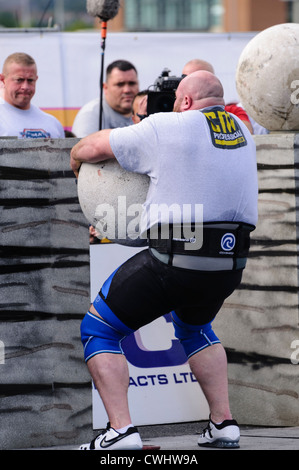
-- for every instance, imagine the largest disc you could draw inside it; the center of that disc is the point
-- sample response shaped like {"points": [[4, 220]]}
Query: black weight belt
{"points": [[225, 246]]}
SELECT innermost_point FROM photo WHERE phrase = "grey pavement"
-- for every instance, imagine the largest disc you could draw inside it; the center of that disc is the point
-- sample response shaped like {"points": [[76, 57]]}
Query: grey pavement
{"points": [[183, 437]]}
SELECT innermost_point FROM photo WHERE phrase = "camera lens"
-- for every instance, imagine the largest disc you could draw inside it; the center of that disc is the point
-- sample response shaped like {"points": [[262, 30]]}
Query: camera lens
{"points": [[165, 102], [160, 102]]}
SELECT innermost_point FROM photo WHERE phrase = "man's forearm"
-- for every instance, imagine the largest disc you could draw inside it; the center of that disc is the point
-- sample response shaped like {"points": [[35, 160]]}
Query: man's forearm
{"points": [[92, 149]]}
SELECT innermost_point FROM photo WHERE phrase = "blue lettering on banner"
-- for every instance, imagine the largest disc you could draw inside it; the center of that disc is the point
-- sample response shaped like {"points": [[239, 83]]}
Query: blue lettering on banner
{"points": [[162, 379], [145, 380], [183, 377], [173, 356], [153, 380]]}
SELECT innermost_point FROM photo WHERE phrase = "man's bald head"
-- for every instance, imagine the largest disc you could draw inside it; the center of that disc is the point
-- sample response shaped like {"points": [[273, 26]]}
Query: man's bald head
{"points": [[197, 64], [198, 90]]}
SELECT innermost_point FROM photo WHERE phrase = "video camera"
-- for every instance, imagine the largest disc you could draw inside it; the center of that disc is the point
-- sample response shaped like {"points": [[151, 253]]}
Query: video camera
{"points": [[163, 97]]}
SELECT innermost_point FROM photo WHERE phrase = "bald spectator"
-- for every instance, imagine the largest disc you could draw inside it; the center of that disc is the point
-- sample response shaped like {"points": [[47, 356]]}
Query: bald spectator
{"points": [[197, 64]]}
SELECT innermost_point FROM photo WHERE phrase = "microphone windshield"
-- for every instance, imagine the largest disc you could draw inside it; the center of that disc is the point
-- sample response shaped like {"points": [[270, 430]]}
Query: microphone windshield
{"points": [[104, 9]]}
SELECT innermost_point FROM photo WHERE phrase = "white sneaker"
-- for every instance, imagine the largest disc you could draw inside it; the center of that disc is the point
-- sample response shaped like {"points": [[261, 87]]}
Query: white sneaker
{"points": [[109, 439], [225, 435]]}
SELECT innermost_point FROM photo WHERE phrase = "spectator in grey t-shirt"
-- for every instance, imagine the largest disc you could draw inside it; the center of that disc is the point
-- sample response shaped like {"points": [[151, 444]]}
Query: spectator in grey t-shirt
{"points": [[120, 88]]}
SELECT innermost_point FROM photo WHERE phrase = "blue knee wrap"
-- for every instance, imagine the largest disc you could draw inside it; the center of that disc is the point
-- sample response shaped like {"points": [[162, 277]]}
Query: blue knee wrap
{"points": [[193, 338], [102, 335]]}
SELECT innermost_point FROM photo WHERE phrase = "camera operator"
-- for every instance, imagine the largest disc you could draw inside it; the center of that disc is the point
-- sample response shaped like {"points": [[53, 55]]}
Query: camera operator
{"points": [[139, 106]]}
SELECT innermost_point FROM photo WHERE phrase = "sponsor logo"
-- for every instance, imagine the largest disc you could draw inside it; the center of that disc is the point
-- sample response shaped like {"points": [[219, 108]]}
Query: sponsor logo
{"points": [[228, 242], [106, 443], [35, 134], [225, 130], [145, 348]]}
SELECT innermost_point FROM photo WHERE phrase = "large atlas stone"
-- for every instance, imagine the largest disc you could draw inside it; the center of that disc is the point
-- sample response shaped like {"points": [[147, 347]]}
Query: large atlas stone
{"points": [[111, 199], [267, 77]]}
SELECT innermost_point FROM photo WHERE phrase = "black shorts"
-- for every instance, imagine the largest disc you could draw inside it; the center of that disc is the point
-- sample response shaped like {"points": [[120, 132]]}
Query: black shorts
{"points": [[144, 288]]}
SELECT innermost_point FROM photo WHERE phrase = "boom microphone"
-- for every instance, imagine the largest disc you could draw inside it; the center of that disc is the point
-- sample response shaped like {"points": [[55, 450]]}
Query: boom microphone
{"points": [[104, 9]]}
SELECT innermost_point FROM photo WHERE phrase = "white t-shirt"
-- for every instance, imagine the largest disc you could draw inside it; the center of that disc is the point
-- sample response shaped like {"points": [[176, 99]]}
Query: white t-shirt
{"points": [[192, 159], [87, 120], [30, 123]]}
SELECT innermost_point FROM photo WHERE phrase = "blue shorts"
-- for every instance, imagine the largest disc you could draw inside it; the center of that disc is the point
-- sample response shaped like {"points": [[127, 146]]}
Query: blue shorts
{"points": [[102, 335], [142, 290]]}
